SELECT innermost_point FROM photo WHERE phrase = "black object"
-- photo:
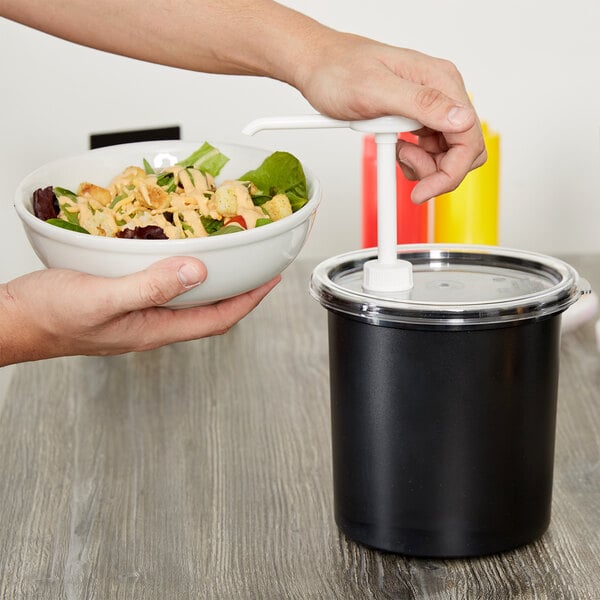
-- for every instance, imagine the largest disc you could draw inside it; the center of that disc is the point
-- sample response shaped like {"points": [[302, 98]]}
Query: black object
{"points": [[45, 204], [443, 397], [443, 441], [149, 232], [100, 140]]}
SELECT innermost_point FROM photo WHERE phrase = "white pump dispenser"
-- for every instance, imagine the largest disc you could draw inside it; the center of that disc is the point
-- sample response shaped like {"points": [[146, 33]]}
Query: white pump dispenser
{"points": [[386, 273]]}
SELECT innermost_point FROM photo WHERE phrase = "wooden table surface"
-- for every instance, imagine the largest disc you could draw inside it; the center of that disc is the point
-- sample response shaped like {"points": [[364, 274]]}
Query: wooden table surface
{"points": [[203, 470]]}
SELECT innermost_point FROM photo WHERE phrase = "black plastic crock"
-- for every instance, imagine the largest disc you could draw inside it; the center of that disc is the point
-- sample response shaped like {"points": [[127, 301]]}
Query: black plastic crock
{"points": [[443, 399]]}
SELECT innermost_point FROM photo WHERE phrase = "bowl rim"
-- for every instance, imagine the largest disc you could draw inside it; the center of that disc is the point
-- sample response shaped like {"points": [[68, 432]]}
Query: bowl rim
{"points": [[208, 243]]}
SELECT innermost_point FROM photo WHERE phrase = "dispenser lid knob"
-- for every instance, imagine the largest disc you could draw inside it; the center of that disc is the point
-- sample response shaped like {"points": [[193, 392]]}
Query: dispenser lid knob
{"points": [[381, 277]]}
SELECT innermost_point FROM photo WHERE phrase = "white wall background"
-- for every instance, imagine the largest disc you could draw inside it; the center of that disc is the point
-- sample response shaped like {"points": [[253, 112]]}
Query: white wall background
{"points": [[533, 69]]}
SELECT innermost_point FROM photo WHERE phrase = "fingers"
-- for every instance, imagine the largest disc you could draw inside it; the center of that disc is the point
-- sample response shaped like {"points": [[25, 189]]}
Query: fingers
{"points": [[152, 287], [437, 174], [439, 163], [218, 318], [451, 170], [166, 326], [416, 163]]}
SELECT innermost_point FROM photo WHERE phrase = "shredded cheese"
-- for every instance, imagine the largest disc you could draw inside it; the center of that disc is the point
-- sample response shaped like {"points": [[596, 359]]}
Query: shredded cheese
{"points": [[176, 199]]}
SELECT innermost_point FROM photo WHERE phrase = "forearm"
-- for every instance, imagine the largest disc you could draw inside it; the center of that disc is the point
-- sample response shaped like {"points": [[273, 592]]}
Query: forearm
{"points": [[341, 75], [246, 37]]}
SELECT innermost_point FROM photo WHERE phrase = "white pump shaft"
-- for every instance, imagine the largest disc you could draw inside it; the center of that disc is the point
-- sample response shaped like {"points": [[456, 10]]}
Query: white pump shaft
{"points": [[387, 239]]}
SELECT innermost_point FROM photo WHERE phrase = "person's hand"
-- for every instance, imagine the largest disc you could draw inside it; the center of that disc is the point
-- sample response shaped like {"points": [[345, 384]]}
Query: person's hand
{"points": [[58, 312], [350, 77]]}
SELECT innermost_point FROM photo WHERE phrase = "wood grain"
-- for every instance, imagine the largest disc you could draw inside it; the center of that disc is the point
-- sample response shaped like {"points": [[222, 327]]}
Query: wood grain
{"points": [[203, 470]]}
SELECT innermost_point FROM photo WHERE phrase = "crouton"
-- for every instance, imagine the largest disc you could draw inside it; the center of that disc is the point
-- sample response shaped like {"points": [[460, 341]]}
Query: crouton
{"points": [[278, 207]]}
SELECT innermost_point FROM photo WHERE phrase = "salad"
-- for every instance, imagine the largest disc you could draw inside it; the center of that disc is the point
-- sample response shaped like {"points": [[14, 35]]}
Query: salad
{"points": [[180, 201]]}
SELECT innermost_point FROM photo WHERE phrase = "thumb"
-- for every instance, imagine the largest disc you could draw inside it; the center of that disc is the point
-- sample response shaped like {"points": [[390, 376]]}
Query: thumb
{"points": [[440, 112], [156, 285], [430, 106]]}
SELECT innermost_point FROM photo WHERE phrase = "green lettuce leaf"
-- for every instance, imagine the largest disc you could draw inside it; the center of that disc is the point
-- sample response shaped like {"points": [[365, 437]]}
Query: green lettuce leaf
{"points": [[207, 159], [279, 173], [72, 217], [228, 229], [67, 225], [211, 225], [59, 191], [261, 222], [148, 168]]}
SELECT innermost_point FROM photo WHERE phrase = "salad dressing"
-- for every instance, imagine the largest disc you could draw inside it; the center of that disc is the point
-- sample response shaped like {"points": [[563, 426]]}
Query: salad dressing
{"points": [[180, 201]]}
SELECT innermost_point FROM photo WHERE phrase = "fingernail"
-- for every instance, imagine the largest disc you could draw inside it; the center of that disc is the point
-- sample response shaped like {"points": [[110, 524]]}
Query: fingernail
{"points": [[189, 275], [457, 115], [419, 201]]}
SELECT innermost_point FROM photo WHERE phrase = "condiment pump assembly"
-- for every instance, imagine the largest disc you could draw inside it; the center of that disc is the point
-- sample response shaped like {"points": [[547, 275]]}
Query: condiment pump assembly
{"points": [[443, 364], [386, 273]]}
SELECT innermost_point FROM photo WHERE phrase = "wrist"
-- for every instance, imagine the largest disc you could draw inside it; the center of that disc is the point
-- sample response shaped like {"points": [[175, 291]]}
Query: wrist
{"points": [[281, 43], [7, 335], [18, 341], [313, 45]]}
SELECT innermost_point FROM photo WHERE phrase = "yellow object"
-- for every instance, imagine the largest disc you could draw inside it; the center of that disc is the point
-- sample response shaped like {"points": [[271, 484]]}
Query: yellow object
{"points": [[469, 214]]}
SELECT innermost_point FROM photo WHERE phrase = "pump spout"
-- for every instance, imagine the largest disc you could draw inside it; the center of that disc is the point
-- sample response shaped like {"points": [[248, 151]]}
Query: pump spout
{"points": [[390, 124], [294, 122]]}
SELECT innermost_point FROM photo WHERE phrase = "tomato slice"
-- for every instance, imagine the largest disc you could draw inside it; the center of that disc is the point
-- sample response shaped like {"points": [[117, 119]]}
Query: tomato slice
{"points": [[237, 219]]}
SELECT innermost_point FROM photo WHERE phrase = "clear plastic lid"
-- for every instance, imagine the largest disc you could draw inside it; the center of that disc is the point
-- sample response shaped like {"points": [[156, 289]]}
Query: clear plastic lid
{"points": [[453, 285]]}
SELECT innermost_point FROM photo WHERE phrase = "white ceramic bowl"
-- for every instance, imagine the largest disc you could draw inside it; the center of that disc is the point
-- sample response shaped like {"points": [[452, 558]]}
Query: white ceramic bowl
{"points": [[236, 263]]}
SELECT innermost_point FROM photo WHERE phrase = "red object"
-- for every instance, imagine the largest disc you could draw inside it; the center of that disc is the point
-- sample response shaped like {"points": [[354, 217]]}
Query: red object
{"points": [[239, 220], [412, 219]]}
